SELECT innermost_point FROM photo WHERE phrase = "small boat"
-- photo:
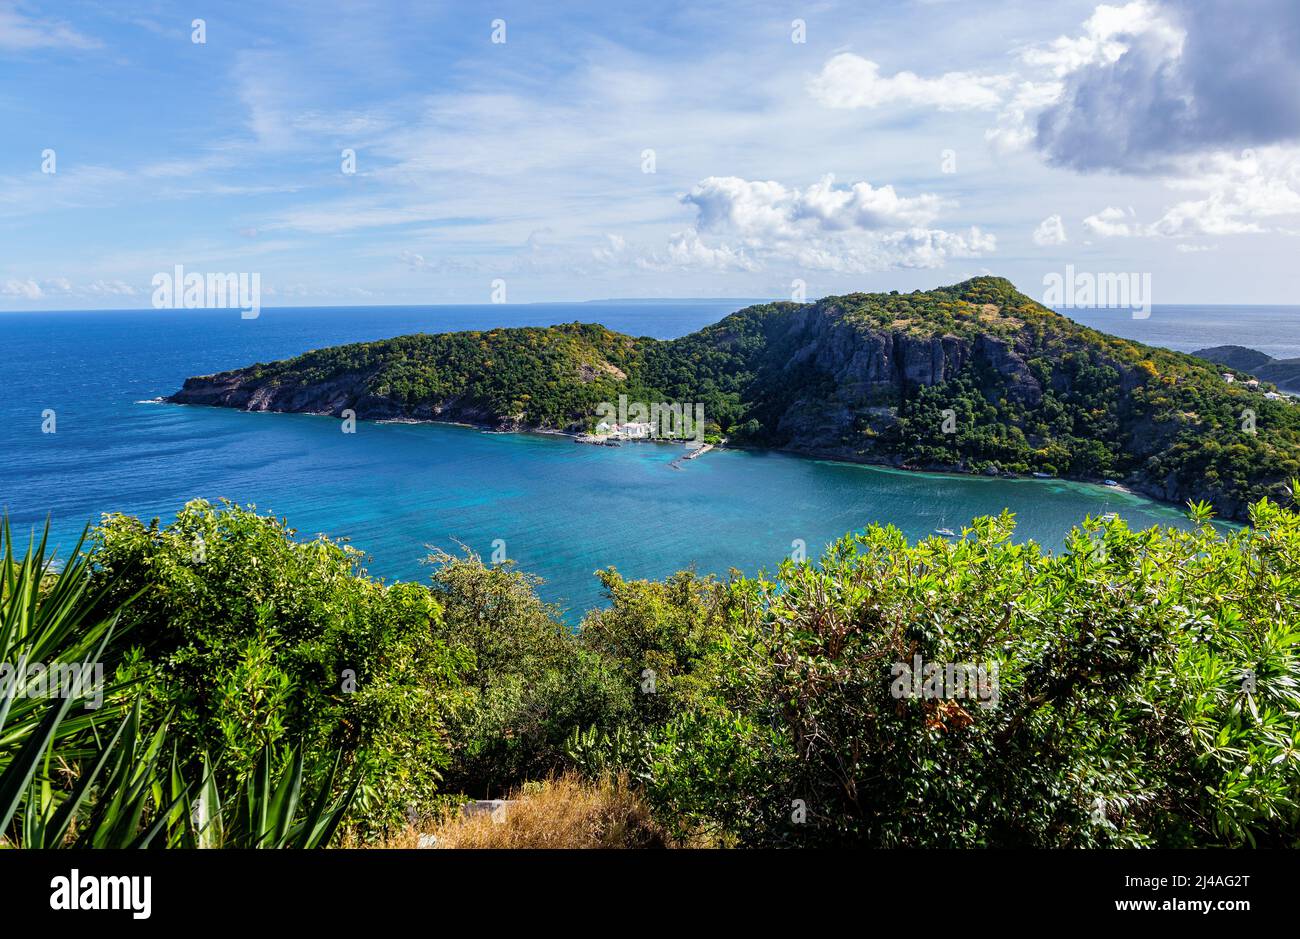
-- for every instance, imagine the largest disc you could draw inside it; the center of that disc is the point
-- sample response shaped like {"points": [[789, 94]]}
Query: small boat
{"points": [[1110, 516], [1042, 476], [1109, 482], [946, 532]]}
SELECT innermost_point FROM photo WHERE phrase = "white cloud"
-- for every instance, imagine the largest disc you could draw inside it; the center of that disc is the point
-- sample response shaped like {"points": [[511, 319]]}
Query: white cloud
{"points": [[1015, 129], [1050, 231], [686, 251], [850, 81], [1258, 191], [30, 289], [1106, 37], [110, 288], [614, 249], [1243, 194], [752, 224], [757, 209], [27, 289], [19, 33], [1113, 222]]}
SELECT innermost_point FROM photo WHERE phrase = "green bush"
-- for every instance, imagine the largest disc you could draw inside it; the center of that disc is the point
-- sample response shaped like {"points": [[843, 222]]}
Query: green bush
{"points": [[1139, 688], [1147, 694], [254, 640]]}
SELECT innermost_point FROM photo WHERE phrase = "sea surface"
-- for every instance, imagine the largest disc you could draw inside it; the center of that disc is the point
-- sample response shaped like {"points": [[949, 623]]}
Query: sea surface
{"points": [[559, 509]]}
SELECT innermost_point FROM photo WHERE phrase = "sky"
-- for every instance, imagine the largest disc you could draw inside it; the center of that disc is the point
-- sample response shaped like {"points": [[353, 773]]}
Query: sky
{"points": [[421, 153]]}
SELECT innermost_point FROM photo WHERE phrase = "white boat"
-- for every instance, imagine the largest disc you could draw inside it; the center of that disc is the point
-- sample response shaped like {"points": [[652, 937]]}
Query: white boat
{"points": [[946, 532]]}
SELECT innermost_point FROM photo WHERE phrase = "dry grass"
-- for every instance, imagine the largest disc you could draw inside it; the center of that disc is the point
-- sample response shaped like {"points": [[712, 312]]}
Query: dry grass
{"points": [[563, 812]]}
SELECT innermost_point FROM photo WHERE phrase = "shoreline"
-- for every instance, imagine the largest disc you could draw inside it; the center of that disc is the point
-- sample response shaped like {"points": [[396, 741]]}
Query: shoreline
{"points": [[825, 456]]}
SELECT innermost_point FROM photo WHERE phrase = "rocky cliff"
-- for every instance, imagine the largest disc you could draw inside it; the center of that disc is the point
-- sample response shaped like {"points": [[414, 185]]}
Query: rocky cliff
{"points": [[975, 377]]}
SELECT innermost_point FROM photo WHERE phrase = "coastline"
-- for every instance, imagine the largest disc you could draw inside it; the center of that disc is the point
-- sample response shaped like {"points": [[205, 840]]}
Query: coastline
{"points": [[835, 457]]}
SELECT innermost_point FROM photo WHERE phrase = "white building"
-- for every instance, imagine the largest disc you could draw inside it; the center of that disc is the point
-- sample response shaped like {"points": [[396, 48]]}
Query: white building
{"points": [[635, 430]]}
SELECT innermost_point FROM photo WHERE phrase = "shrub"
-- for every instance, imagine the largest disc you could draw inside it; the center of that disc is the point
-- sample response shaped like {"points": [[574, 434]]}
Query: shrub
{"points": [[254, 640]]}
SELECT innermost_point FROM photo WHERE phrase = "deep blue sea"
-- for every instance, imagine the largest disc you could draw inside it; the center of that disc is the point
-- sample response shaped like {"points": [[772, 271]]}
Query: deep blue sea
{"points": [[563, 510]]}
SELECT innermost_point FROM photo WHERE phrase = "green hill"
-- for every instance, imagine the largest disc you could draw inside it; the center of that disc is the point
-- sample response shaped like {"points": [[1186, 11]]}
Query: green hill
{"points": [[974, 377], [1284, 373]]}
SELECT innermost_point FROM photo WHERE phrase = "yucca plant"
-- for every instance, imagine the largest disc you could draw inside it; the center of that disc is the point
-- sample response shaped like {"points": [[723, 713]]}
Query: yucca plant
{"points": [[51, 618], [126, 789], [130, 796], [267, 811]]}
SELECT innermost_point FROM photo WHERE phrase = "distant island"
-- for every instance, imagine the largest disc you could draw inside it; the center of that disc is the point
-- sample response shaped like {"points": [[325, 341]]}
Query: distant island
{"points": [[1284, 373], [974, 377]]}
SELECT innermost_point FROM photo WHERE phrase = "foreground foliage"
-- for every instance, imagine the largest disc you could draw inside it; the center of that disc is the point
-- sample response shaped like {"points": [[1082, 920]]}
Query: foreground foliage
{"points": [[80, 763], [1139, 688]]}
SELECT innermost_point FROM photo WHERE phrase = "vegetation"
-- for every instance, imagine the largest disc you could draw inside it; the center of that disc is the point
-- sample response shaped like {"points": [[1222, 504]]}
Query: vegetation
{"points": [[81, 764], [1139, 688], [561, 812], [975, 377]]}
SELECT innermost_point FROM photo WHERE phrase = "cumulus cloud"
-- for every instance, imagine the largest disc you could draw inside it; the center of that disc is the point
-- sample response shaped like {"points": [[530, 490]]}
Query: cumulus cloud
{"points": [[687, 251], [1149, 83], [771, 210], [749, 224], [1015, 126], [1256, 192], [1104, 39], [614, 249], [1113, 222], [1050, 231], [850, 81], [27, 289]]}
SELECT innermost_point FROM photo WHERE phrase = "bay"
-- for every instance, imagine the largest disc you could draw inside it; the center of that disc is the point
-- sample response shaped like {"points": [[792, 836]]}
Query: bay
{"points": [[559, 509]]}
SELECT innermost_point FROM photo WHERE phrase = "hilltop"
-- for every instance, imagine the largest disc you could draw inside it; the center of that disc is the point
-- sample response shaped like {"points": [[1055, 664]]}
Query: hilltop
{"points": [[975, 377]]}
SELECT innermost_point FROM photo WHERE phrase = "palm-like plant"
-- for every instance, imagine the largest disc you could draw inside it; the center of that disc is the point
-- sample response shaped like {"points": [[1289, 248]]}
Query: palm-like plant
{"points": [[128, 790], [52, 618]]}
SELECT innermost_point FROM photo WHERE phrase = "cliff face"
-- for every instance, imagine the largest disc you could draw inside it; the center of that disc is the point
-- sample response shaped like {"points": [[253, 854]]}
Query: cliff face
{"points": [[854, 374], [974, 377]]}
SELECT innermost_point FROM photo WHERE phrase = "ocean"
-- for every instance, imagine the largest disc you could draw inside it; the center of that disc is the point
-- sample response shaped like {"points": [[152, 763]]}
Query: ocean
{"points": [[396, 491]]}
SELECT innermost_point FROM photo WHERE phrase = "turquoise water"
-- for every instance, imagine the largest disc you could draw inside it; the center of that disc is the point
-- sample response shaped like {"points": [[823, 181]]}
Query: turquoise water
{"points": [[562, 509]]}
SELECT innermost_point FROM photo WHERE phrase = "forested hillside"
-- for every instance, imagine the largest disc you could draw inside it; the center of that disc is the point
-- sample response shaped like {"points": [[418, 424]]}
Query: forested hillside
{"points": [[976, 377]]}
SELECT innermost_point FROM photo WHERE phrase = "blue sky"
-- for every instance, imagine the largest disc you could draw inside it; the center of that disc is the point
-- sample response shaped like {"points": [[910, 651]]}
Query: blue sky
{"points": [[900, 145]]}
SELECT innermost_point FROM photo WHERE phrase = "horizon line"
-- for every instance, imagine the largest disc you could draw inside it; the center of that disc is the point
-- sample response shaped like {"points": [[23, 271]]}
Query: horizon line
{"points": [[536, 303]]}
